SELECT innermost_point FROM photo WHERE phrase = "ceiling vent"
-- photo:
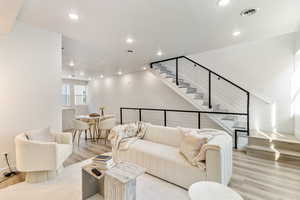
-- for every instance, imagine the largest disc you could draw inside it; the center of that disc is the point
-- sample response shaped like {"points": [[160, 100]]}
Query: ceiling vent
{"points": [[130, 51], [249, 12]]}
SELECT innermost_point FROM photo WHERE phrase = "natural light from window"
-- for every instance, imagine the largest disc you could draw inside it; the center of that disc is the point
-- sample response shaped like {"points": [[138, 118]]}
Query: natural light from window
{"points": [[80, 92], [66, 95]]}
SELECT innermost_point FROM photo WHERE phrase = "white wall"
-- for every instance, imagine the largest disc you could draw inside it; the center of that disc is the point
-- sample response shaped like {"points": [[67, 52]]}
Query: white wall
{"points": [[296, 86], [141, 89], [30, 83], [263, 67]]}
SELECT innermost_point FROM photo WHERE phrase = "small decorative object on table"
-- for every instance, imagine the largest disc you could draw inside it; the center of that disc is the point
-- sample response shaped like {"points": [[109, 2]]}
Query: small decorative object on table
{"points": [[102, 110]]}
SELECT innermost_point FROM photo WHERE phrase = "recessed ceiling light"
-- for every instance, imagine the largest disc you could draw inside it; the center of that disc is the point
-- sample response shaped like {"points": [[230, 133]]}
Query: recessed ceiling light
{"points": [[81, 73], [223, 3], [101, 76], [119, 73], [129, 40], [236, 33], [73, 16], [144, 68], [72, 63], [159, 53]]}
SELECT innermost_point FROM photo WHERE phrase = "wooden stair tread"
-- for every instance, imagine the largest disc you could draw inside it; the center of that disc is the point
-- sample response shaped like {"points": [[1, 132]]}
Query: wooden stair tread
{"points": [[288, 138], [269, 149]]}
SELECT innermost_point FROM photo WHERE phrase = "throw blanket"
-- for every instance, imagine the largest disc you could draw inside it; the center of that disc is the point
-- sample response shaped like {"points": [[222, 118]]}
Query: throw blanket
{"points": [[122, 136]]}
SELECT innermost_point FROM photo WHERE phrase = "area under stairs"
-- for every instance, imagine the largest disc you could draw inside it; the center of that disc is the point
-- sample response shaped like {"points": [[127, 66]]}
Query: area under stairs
{"points": [[199, 99], [274, 146]]}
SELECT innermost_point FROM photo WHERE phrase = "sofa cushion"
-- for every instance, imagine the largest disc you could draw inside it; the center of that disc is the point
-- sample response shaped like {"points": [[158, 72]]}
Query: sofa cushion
{"points": [[164, 135], [163, 161]]}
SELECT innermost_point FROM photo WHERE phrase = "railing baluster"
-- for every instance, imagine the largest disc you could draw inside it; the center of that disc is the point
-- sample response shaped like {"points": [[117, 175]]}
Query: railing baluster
{"points": [[248, 113], [140, 115], [165, 118], [121, 116], [199, 119], [177, 82], [209, 90]]}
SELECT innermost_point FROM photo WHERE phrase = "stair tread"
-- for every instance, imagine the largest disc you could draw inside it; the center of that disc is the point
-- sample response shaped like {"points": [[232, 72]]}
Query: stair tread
{"points": [[287, 140], [269, 149]]}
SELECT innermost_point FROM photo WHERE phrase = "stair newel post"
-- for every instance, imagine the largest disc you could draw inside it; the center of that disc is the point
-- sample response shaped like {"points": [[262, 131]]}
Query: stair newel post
{"points": [[209, 89], [248, 112], [177, 82]]}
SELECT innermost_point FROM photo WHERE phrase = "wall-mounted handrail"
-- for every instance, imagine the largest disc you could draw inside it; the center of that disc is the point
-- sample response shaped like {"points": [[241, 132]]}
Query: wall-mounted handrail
{"points": [[198, 112]]}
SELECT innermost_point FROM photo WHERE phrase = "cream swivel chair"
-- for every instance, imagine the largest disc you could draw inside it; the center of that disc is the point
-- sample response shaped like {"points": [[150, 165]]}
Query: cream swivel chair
{"points": [[40, 153], [106, 123], [79, 127]]}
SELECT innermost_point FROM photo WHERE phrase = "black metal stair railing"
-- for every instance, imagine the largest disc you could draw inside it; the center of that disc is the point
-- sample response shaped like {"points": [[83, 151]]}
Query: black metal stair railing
{"points": [[210, 73], [198, 112]]}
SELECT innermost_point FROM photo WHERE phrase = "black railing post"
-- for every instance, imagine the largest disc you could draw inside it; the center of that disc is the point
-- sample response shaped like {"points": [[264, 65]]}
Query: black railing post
{"points": [[140, 115], [248, 112], [177, 82], [235, 139], [165, 118], [199, 118], [121, 116], [209, 90]]}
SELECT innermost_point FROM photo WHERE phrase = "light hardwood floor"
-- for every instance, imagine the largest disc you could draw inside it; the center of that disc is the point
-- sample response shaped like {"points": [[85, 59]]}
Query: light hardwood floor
{"points": [[254, 178]]}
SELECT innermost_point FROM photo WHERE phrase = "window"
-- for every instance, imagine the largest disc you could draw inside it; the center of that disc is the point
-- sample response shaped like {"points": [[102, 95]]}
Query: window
{"points": [[80, 92], [66, 94]]}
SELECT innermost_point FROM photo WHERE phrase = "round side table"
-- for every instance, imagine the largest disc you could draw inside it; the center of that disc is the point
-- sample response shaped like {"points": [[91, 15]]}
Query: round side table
{"points": [[212, 191]]}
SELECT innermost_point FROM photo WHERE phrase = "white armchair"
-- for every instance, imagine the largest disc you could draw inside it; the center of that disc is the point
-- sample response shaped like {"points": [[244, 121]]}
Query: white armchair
{"points": [[42, 160]]}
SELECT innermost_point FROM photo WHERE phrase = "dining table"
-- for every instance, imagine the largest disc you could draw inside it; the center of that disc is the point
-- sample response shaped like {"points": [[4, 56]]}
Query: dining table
{"points": [[93, 121]]}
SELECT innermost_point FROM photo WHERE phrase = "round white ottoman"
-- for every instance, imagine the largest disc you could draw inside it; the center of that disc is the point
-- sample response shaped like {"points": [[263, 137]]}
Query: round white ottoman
{"points": [[212, 191]]}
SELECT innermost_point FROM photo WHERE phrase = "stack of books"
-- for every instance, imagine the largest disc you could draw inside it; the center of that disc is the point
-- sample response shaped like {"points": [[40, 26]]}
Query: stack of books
{"points": [[103, 162]]}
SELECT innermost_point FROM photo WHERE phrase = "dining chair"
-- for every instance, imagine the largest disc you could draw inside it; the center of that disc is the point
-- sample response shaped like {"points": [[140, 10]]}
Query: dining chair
{"points": [[79, 127], [106, 123]]}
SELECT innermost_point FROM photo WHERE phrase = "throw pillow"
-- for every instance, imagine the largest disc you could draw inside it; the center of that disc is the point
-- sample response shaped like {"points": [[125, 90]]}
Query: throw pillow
{"points": [[42, 135], [191, 145]]}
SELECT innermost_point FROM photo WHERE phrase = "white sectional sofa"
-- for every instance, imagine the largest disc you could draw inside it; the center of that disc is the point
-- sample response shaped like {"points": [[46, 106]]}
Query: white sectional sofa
{"points": [[159, 153]]}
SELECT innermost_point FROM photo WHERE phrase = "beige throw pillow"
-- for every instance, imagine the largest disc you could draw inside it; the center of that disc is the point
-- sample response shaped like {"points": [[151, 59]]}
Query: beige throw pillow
{"points": [[191, 145]]}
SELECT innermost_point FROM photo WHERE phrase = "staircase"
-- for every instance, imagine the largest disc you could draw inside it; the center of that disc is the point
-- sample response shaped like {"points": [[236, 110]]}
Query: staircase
{"points": [[274, 146], [223, 114]]}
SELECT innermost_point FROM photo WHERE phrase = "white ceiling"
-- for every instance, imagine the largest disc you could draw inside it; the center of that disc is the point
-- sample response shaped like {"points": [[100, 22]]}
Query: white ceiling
{"points": [[9, 10], [96, 42]]}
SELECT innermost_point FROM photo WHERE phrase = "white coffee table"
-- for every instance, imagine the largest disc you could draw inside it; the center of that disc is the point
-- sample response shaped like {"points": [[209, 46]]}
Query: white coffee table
{"points": [[212, 191]]}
